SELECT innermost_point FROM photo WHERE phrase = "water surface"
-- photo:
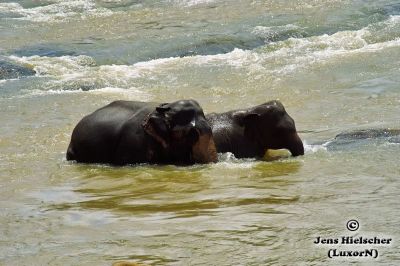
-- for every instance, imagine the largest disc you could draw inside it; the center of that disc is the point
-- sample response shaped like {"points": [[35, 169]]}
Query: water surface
{"points": [[334, 65]]}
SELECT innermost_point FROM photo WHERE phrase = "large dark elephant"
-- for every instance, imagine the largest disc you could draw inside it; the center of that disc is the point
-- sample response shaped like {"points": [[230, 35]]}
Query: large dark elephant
{"points": [[250, 132], [126, 132]]}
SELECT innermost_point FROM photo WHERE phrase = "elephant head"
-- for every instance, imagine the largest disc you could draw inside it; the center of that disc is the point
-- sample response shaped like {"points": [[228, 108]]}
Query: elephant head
{"points": [[183, 132], [270, 127]]}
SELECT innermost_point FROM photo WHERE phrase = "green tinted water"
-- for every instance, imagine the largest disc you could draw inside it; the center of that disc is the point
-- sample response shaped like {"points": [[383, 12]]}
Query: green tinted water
{"points": [[334, 65]]}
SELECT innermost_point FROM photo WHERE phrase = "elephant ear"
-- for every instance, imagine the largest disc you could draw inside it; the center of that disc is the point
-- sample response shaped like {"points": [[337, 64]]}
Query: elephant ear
{"points": [[163, 108], [245, 119], [156, 126], [249, 121]]}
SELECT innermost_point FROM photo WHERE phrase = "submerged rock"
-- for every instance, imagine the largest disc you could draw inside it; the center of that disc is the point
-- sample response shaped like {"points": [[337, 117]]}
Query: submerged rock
{"points": [[359, 138], [12, 71], [368, 134]]}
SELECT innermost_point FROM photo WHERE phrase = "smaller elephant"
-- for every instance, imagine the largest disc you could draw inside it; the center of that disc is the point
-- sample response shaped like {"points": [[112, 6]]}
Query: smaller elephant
{"points": [[127, 132], [250, 132]]}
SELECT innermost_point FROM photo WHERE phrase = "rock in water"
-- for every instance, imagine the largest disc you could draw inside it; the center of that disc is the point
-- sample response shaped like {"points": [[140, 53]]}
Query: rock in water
{"points": [[12, 71], [368, 134], [357, 139]]}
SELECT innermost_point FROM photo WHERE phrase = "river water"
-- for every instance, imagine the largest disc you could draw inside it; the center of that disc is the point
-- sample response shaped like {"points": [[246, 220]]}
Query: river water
{"points": [[334, 65]]}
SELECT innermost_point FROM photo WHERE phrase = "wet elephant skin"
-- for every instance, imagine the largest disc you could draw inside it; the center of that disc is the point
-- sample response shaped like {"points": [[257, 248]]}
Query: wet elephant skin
{"points": [[250, 132], [128, 132]]}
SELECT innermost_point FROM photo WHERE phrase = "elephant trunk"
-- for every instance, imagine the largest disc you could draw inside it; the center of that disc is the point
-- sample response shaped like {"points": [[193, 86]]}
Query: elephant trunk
{"points": [[296, 147], [204, 150]]}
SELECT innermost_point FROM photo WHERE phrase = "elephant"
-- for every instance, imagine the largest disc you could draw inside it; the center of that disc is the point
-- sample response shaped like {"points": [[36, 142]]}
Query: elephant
{"points": [[130, 132], [248, 133]]}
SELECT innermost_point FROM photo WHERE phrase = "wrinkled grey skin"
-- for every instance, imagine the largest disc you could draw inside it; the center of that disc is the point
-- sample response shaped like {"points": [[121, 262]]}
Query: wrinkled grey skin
{"points": [[127, 132], [250, 132]]}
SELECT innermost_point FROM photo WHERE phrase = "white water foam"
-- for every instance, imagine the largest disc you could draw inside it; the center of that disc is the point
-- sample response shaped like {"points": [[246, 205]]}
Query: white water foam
{"points": [[57, 66], [289, 55], [314, 148], [56, 12], [298, 53], [273, 31], [190, 3], [228, 160], [139, 69], [283, 57]]}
